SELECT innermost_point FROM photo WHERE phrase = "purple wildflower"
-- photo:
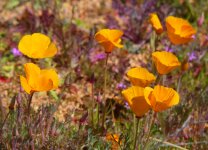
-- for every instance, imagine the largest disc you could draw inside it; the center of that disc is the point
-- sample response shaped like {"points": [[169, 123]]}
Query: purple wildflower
{"points": [[16, 52], [169, 49], [100, 56], [192, 56], [121, 86], [126, 105], [193, 37], [97, 57], [200, 21]]}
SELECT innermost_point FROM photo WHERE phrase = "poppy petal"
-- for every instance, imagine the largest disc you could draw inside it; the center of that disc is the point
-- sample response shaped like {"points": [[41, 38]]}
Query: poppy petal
{"points": [[37, 45], [135, 98], [24, 45], [179, 30], [109, 39], [32, 71], [25, 85], [154, 20], [165, 62], [51, 76], [140, 76], [147, 92], [51, 50]]}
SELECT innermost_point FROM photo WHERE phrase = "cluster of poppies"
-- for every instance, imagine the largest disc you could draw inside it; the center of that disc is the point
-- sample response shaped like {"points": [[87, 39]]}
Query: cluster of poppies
{"points": [[179, 30], [140, 96], [37, 46]]}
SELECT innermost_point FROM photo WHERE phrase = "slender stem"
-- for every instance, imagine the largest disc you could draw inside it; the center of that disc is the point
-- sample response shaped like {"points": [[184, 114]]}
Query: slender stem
{"points": [[153, 47], [93, 104], [98, 115], [112, 113], [136, 124], [179, 83], [29, 103], [157, 81], [149, 130], [7, 115], [2, 109], [104, 90], [153, 41], [11, 108], [169, 144]]}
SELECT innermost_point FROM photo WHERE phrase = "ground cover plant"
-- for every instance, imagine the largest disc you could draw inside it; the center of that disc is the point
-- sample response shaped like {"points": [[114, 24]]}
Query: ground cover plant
{"points": [[104, 74]]}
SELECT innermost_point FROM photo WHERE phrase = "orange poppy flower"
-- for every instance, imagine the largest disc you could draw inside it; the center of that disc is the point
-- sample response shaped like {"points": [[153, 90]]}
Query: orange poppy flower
{"points": [[161, 98], [156, 24], [179, 30], [109, 39], [135, 98], [37, 79], [140, 76], [37, 45], [114, 139], [165, 62]]}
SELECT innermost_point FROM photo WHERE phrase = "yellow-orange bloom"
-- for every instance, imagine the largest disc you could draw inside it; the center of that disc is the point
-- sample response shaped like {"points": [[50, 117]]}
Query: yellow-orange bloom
{"points": [[156, 24], [109, 39], [179, 30], [165, 62], [37, 45], [37, 79], [114, 139], [161, 98], [135, 98], [140, 76]]}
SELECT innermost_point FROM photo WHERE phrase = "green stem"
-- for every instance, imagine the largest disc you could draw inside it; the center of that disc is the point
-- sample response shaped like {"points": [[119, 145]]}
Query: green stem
{"points": [[93, 104], [29, 103], [112, 113], [179, 83], [169, 144], [98, 115], [157, 81], [11, 109], [1, 130], [104, 90], [153, 47], [136, 124], [2, 110], [153, 41], [149, 130]]}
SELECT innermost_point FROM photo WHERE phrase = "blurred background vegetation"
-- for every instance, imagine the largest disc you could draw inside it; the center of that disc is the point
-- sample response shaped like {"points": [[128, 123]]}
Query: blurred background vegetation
{"points": [[61, 117]]}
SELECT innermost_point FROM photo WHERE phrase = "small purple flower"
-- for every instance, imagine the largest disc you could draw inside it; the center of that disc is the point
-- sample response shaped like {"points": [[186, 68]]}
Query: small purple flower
{"points": [[98, 98], [97, 57], [121, 86], [16, 52], [193, 37], [100, 56], [126, 105], [200, 21], [169, 49], [192, 56]]}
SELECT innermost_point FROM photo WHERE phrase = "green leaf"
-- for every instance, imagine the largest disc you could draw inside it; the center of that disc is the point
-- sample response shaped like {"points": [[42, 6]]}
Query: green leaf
{"points": [[12, 3], [54, 95]]}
